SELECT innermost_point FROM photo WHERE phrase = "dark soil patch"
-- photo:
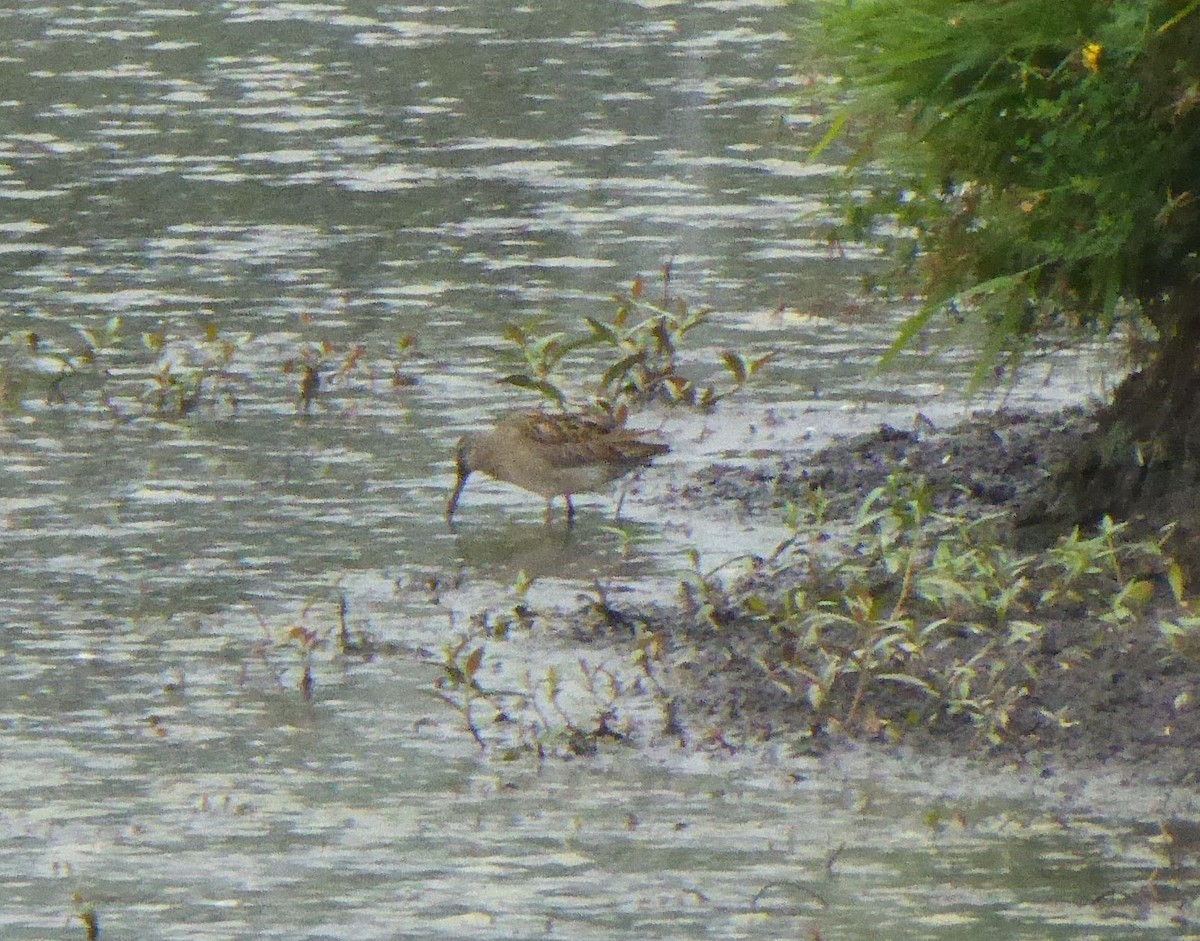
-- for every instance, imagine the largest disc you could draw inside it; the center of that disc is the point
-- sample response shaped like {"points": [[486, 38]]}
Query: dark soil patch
{"points": [[1126, 693]]}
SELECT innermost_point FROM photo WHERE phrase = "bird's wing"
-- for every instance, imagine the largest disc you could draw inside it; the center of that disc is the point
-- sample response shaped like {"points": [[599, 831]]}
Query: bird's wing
{"points": [[577, 441]]}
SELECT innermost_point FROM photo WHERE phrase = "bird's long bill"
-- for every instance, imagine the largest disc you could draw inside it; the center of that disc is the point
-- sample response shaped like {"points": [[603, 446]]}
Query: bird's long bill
{"points": [[452, 504]]}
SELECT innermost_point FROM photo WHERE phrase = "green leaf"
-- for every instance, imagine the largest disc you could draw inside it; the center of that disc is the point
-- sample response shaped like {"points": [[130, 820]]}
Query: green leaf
{"points": [[515, 334], [839, 123], [1022, 632], [1137, 593], [867, 511], [1185, 12], [907, 680], [621, 368], [736, 364], [603, 331], [661, 332], [523, 583], [548, 349], [756, 365], [912, 325], [757, 606], [540, 386], [1175, 580], [521, 381]]}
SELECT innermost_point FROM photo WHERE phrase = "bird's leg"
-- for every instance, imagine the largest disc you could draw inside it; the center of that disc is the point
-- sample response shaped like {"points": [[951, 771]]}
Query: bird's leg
{"points": [[570, 510], [549, 510], [620, 503]]}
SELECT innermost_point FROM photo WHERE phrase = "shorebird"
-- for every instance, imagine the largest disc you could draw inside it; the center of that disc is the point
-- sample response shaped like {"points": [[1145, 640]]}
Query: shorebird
{"points": [[552, 455]]}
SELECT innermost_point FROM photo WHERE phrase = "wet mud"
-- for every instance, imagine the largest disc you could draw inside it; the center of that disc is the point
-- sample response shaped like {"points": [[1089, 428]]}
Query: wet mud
{"points": [[1133, 702]]}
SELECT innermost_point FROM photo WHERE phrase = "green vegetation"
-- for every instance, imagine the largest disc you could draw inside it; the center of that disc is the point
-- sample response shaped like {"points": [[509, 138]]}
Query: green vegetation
{"points": [[913, 617], [91, 921], [882, 618], [289, 653], [1042, 163], [171, 373], [200, 368], [639, 357], [529, 714]]}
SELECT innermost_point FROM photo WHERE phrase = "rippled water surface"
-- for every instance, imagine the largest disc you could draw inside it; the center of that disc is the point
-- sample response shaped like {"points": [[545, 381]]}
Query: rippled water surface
{"points": [[243, 189]]}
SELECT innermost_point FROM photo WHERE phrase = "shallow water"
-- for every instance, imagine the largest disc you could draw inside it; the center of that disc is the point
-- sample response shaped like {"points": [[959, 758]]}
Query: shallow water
{"points": [[297, 180]]}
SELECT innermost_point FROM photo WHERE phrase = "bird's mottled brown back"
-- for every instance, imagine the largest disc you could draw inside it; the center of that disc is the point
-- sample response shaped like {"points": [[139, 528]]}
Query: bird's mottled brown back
{"points": [[575, 441]]}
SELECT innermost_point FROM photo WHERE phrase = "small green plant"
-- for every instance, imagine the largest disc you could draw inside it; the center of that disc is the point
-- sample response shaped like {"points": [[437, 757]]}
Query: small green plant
{"points": [[174, 372], [186, 369], [639, 350], [31, 364], [1076, 560], [542, 711], [321, 365], [1183, 634], [559, 727], [300, 643], [702, 593], [458, 688], [533, 717], [91, 922]]}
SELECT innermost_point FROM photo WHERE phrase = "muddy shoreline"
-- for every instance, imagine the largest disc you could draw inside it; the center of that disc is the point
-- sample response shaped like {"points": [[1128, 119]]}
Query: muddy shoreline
{"points": [[1133, 703]]}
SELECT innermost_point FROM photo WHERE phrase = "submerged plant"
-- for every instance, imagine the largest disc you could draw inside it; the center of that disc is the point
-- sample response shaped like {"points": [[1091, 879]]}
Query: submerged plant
{"points": [[188, 369], [299, 643], [35, 365], [458, 688], [91, 922], [563, 710], [175, 371], [323, 365]]}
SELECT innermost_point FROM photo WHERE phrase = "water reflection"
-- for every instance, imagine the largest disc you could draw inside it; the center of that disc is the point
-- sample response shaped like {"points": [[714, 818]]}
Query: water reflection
{"points": [[330, 180]]}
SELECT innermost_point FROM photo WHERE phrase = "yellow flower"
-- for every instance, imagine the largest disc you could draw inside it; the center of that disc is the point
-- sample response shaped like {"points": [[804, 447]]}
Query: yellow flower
{"points": [[1091, 56]]}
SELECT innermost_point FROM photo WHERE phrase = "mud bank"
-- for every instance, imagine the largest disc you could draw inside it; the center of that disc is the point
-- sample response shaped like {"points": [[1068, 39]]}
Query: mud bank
{"points": [[1123, 698]]}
